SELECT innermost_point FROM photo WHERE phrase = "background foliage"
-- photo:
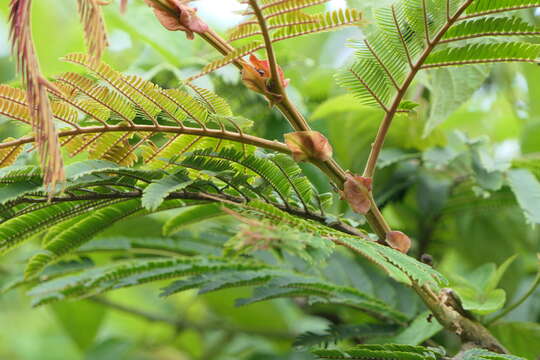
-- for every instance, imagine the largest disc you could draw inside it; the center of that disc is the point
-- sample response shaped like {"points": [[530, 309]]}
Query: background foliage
{"points": [[455, 188]]}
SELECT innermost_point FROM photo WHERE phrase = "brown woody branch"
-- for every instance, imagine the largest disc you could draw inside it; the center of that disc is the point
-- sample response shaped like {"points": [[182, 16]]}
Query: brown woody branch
{"points": [[214, 133], [469, 330]]}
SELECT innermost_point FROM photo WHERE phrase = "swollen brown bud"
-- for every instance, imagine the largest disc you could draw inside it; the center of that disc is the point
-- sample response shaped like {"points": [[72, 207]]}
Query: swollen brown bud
{"points": [[356, 191], [399, 241], [308, 145], [176, 15]]}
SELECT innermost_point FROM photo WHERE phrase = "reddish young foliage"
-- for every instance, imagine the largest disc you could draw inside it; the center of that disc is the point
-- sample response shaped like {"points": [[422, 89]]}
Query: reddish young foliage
{"points": [[94, 27], [123, 6], [36, 92]]}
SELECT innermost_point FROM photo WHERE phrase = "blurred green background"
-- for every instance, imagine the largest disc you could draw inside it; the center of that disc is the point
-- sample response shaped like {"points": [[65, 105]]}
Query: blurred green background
{"points": [[504, 113]]}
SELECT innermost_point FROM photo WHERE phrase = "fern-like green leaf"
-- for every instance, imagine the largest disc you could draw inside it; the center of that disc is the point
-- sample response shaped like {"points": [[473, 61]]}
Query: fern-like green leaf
{"points": [[16, 174], [406, 38], [14, 231], [237, 54], [100, 94], [73, 235], [228, 159], [490, 26], [321, 22], [399, 266], [320, 292], [145, 245], [8, 156], [337, 333], [483, 53], [383, 352], [83, 169], [143, 101], [131, 273], [277, 8], [251, 28], [214, 104], [482, 354], [486, 7], [122, 118]]}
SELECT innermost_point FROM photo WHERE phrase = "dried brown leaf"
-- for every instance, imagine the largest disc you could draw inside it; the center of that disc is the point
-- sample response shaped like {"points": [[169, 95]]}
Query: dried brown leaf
{"points": [[123, 6], [95, 33], [36, 92]]}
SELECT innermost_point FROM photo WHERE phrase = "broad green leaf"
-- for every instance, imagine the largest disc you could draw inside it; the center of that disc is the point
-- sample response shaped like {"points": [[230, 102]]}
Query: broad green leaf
{"points": [[497, 275], [439, 157], [111, 349], [529, 137], [484, 303], [520, 338], [487, 175], [81, 320], [450, 88], [421, 329], [478, 289], [390, 156], [526, 188]]}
